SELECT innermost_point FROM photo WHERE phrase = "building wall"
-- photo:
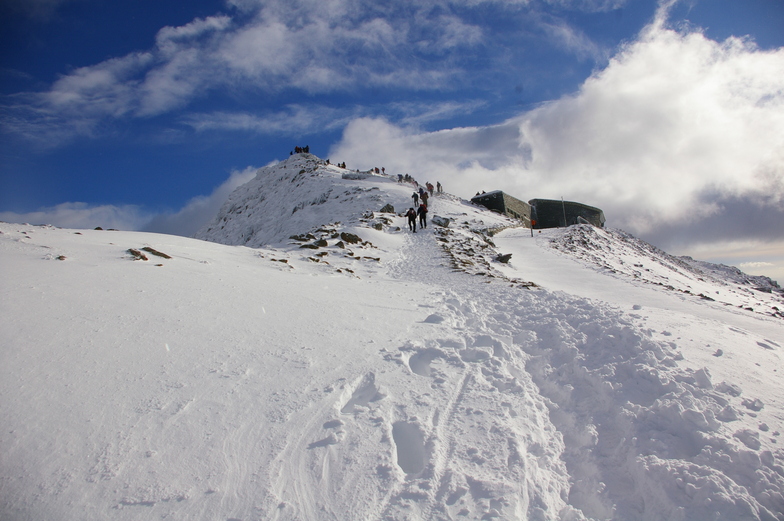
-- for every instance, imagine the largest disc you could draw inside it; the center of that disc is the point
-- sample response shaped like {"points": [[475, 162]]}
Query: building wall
{"points": [[503, 203], [517, 209], [549, 213], [546, 213], [491, 200]]}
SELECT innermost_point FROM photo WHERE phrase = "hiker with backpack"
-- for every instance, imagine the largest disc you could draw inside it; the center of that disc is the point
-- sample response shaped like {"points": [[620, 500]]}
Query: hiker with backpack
{"points": [[412, 215], [422, 212], [415, 197]]}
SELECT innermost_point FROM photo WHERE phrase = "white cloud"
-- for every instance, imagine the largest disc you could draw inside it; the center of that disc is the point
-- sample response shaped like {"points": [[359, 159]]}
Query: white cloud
{"points": [[573, 41], [755, 264], [199, 210], [677, 129], [275, 46], [296, 119], [314, 47], [83, 216], [591, 6]]}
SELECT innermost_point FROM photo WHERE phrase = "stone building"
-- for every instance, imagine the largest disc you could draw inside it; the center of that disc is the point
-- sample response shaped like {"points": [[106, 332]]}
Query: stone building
{"points": [[554, 213], [505, 204], [541, 213]]}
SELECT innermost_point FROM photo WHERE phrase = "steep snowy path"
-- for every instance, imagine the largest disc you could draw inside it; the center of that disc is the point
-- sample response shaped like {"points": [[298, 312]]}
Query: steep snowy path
{"points": [[490, 449], [607, 374]]}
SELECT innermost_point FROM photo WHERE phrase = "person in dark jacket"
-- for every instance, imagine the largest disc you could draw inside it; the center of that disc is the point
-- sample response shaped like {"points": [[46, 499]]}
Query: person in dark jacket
{"points": [[412, 215], [422, 213], [415, 197]]}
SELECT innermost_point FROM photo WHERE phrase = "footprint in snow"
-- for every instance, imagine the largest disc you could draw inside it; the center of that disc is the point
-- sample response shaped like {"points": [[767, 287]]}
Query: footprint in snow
{"points": [[365, 393], [410, 445], [434, 319], [419, 363], [329, 440]]}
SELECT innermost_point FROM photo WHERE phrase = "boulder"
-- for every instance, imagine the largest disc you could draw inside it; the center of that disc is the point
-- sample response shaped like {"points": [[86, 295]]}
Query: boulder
{"points": [[350, 238], [440, 221]]}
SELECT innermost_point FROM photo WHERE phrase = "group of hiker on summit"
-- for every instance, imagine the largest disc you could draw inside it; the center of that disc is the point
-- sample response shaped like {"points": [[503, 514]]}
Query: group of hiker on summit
{"points": [[420, 194]]}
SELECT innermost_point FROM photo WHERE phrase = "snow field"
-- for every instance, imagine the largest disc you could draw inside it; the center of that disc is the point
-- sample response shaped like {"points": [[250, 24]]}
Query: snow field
{"points": [[401, 377]]}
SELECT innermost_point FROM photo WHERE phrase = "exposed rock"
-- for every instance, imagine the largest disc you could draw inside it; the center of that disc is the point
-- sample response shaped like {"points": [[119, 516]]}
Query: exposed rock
{"points": [[505, 257], [137, 254], [388, 208], [350, 238], [156, 252], [440, 221]]}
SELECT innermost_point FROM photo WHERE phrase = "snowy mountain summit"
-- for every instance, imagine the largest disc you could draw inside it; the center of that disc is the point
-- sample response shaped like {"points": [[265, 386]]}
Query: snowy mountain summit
{"points": [[297, 198], [313, 359]]}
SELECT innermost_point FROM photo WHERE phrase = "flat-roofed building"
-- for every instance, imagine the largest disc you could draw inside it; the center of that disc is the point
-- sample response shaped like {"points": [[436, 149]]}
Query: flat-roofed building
{"points": [[541, 213]]}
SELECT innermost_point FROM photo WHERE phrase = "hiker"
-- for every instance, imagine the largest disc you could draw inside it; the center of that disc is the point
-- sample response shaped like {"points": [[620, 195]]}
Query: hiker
{"points": [[429, 188], [422, 212], [400, 178], [412, 215], [415, 197], [424, 198], [439, 188]]}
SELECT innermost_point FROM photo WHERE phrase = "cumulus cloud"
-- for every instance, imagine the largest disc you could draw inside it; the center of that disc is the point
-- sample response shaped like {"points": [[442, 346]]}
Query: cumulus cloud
{"points": [[199, 210], [83, 216], [679, 138]]}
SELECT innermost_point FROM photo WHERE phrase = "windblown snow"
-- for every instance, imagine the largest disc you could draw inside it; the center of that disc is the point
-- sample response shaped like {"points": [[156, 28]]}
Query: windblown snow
{"points": [[312, 359]]}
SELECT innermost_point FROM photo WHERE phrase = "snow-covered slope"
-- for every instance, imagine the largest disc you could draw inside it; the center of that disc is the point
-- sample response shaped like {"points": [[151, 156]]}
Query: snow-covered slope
{"points": [[303, 193], [360, 371]]}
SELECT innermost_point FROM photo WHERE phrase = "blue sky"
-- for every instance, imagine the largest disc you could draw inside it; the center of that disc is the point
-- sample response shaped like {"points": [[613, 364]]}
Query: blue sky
{"points": [[145, 114]]}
